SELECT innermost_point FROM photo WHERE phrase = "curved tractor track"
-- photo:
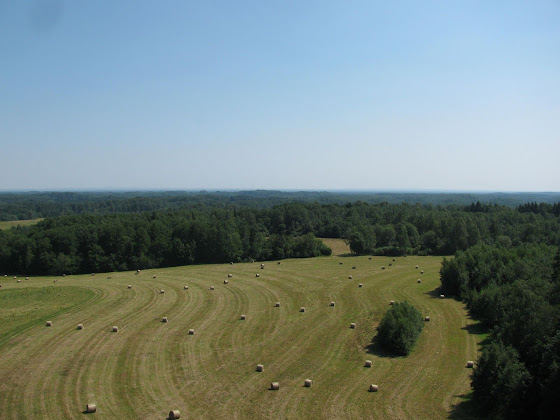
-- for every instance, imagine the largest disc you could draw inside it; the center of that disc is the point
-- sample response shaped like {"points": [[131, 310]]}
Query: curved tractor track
{"points": [[150, 367]]}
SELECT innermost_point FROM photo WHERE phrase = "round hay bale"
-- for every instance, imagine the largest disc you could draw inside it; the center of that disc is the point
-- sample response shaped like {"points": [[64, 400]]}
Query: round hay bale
{"points": [[130, 286], [277, 305], [161, 291], [137, 271], [174, 414], [278, 262], [360, 285], [262, 267], [5, 275], [352, 325], [164, 319], [302, 309], [226, 282], [15, 277], [417, 267], [275, 386], [93, 274], [54, 281], [340, 262], [27, 278], [115, 328], [392, 302], [422, 272], [419, 281], [91, 408], [350, 277], [49, 323], [243, 317], [390, 264], [442, 296], [353, 267], [257, 275], [230, 275], [185, 287], [260, 368], [191, 332], [394, 259], [470, 364], [18, 280], [427, 319], [154, 277], [368, 363], [369, 258], [0, 285], [331, 304], [64, 275], [308, 383], [383, 267], [211, 287], [80, 326], [373, 388], [231, 263]]}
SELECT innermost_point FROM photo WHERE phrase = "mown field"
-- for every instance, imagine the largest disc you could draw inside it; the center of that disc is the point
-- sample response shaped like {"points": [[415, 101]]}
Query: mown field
{"points": [[149, 367], [12, 223]]}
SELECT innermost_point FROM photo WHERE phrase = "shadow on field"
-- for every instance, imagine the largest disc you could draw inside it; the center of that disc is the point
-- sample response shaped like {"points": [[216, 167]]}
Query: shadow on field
{"points": [[478, 329], [464, 409], [375, 348]]}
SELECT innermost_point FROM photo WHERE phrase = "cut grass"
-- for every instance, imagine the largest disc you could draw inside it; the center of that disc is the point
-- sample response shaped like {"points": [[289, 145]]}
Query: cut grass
{"points": [[13, 223], [149, 367], [339, 246]]}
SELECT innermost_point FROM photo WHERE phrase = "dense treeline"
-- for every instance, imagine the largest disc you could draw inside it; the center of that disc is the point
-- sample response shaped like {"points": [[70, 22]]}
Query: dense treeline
{"points": [[85, 243], [516, 293], [34, 205]]}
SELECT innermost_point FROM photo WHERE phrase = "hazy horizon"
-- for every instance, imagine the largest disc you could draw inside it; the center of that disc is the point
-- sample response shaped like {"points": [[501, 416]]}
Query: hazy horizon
{"points": [[314, 96]]}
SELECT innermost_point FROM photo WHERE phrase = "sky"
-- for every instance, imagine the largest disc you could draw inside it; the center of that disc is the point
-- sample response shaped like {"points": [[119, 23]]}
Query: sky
{"points": [[280, 94]]}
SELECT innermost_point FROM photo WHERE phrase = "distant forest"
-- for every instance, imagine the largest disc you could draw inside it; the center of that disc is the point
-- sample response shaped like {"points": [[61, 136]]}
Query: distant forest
{"points": [[34, 205]]}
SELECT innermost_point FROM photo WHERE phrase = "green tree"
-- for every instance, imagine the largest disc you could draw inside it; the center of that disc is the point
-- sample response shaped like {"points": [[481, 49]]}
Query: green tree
{"points": [[400, 328]]}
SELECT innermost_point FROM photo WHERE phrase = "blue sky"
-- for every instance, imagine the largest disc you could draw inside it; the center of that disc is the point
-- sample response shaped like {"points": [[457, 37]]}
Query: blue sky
{"points": [[452, 95]]}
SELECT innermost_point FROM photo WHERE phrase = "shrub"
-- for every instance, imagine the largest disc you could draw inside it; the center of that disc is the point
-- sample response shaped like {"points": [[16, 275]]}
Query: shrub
{"points": [[400, 328]]}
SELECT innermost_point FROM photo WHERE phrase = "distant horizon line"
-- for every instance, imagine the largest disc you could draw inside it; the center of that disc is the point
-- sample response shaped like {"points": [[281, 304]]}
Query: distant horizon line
{"points": [[287, 190]]}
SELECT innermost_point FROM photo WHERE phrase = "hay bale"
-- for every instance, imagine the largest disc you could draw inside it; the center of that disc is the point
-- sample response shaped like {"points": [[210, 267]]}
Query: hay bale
{"points": [[161, 291], [153, 277], [340, 262], [243, 317], [416, 267], [191, 332], [93, 274], [231, 263], [27, 278], [308, 383], [368, 363], [15, 277], [230, 275], [383, 267], [394, 260], [80, 326], [427, 319], [91, 408], [277, 305], [370, 258], [137, 271], [64, 275], [422, 272], [174, 414], [352, 325], [54, 281], [115, 328], [353, 267], [390, 264], [278, 262], [275, 386], [257, 275], [373, 388], [262, 267], [18, 280], [392, 302], [419, 281], [49, 323], [332, 304], [0, 285], [226, 282], [442, 296], [185, 287], [302, 309], [130, 286], [211, 287], [260, 368], [470, 364], [350, 277], [360, 285], [164, 319]]}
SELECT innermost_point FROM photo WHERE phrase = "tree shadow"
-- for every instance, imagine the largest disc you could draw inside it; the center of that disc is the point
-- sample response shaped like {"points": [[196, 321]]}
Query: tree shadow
{"points": [[465, 409], [376, 349], [436, 294]]}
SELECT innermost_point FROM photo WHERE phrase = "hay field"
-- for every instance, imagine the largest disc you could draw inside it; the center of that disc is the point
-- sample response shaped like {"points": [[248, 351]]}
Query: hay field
{"points": [[149, 367], [14, 223]]}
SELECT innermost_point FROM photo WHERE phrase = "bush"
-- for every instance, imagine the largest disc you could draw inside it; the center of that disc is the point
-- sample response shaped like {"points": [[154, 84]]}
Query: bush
{"points": [[400, 328]]}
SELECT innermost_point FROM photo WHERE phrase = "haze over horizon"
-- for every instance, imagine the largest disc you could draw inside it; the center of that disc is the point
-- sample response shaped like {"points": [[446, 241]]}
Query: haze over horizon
{"points": [[313, 95]]}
